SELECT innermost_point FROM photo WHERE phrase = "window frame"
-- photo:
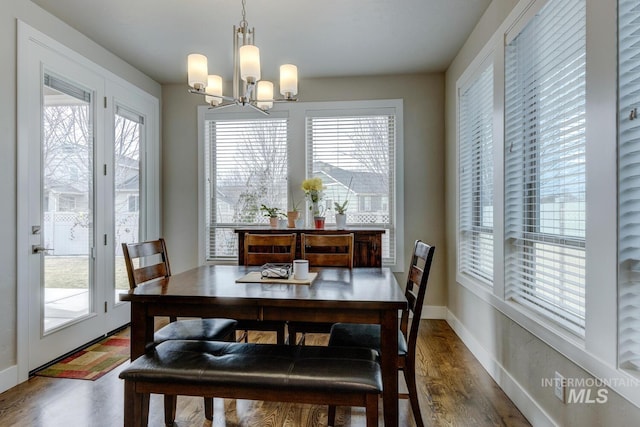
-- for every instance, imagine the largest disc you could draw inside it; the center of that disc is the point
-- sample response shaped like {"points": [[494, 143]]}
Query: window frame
{"points": [[597, 352], [229, 117], [296, 114], [370, 202], [540, 288], [469, 78]]}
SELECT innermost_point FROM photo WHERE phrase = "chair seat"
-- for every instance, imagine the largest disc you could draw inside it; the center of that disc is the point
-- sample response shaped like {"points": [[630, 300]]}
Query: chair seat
{"points": [[196, 329], [361, 335], [310, 327]]}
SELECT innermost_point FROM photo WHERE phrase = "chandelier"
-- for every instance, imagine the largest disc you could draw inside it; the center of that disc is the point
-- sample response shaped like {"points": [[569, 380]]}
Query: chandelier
{"points": [[248, 89]]}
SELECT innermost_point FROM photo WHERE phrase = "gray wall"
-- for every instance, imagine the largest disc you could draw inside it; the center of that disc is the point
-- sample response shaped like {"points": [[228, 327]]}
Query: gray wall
{"points": [[423, 96], [25, 10], [525, 358]]}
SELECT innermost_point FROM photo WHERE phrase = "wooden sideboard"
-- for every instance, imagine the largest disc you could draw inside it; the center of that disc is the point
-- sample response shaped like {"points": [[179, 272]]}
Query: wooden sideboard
{"points": [[367, 251]]}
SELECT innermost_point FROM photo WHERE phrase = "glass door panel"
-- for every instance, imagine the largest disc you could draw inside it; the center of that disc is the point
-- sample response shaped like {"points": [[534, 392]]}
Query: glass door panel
{"points": [[129, 131], [67, 202]]}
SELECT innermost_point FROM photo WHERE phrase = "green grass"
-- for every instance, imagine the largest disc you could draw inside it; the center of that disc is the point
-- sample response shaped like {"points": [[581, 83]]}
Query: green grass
{"points": [[72, 272]]}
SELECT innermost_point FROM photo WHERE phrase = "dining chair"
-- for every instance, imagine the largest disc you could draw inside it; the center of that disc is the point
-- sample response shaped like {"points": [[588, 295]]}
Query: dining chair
{"points": [[260, 249], [322, 250], [327, 250], [362, 335], [148, 261]]}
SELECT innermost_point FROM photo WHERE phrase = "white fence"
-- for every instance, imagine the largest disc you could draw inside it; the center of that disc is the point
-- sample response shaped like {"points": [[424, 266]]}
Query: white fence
{"points": [[69, 233]]}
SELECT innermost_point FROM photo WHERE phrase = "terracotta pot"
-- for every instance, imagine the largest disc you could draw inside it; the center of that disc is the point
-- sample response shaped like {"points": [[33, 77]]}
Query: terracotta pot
{"points": [[319, 222], [273, 221], [291, 218]]}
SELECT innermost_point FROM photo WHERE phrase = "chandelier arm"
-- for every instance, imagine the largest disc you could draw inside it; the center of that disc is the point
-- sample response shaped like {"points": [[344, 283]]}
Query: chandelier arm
{"points": [[266, 113], [203, 93], [222, 106]]}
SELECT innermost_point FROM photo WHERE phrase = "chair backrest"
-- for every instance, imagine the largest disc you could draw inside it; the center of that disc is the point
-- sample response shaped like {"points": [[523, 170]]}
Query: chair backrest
{"points": [[415, 291], [144, 253], [260, 249], [327, 250]]}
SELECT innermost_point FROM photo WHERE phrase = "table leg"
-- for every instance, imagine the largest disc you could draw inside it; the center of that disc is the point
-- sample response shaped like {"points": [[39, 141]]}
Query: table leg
{"points": [[141, 330], [389, 366]]}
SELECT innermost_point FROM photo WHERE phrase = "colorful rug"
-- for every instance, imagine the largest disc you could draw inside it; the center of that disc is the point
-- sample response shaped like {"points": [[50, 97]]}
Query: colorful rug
{"points": [[93, 362]]}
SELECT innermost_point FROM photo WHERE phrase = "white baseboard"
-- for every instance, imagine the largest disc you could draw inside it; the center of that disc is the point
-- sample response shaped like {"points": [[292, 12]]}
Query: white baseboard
{"points": [[434, 312], [8, 378], [535, 414]]}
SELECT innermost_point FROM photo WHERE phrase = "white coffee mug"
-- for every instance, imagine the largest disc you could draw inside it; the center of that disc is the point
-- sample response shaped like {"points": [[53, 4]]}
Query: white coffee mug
{"points": [[300, 269]]}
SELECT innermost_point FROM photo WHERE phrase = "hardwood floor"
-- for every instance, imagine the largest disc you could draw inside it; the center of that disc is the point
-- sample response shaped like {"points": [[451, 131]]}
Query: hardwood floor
{"points": [[454, 391]]}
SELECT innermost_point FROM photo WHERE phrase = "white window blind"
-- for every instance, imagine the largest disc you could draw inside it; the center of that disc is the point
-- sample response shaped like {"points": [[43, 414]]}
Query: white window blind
{"points": [[245, 167], [545, 164], [355, 157], [475, 255], [629, 186]]}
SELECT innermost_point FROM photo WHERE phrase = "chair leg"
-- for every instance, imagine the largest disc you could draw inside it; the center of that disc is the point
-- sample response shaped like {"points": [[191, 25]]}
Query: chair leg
{"points": [[410, 379], [372, 410], [208, 408], [244, 337], [136, 406], [303, 338], [280, 335], [144, 415], [331, 416], [170, 403]]}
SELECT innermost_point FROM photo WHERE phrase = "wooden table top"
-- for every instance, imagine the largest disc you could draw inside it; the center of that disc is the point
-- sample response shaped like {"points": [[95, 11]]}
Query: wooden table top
{"points": [[371, 288]]}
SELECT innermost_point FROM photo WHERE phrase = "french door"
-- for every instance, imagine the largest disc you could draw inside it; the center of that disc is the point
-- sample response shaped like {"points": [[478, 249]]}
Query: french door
{"points": [[85, 179]]}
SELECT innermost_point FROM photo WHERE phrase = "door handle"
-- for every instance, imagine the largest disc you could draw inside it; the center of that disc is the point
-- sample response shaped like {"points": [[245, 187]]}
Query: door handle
{"points": [[36, 249]]}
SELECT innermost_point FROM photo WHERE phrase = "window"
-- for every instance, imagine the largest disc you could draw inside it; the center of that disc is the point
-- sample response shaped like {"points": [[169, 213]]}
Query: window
{"points": [[629, 183], [245, 167], [475, 254], [545, 164], [249, 159], [355, 157], [66, 203], [134, 203]]}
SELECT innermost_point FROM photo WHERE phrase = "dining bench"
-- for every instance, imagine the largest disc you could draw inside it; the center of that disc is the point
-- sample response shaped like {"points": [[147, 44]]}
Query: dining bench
{"points": [[268, 372]]}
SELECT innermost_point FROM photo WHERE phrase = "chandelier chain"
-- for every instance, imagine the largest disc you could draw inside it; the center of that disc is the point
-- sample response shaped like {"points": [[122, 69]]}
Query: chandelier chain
{"points": [[243, 22]]}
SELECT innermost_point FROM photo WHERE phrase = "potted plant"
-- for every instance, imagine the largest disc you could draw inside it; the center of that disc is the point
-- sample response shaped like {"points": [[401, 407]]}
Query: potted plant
{"points": [[341, 209], [341, 216], [272, 213], [294, 213], [312, 188], [318, 218]]}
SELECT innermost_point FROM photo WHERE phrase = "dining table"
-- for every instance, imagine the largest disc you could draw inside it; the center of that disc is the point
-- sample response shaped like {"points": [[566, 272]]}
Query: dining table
{"points": [[359, 295]]}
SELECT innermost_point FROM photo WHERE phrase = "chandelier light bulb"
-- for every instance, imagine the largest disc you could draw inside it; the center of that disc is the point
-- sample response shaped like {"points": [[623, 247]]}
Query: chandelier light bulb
{"points": [[288, 80], [264, 92], [197, 70], [214, 87], [249, 63]]}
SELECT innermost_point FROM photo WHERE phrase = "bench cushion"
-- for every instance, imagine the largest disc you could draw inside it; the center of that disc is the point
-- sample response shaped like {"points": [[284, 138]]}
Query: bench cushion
{"points": [[259, 365], [196, 329]]}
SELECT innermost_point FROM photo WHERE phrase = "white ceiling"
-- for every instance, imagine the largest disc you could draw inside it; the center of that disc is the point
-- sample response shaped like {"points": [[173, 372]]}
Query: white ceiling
{"points": [[325, 38]]}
